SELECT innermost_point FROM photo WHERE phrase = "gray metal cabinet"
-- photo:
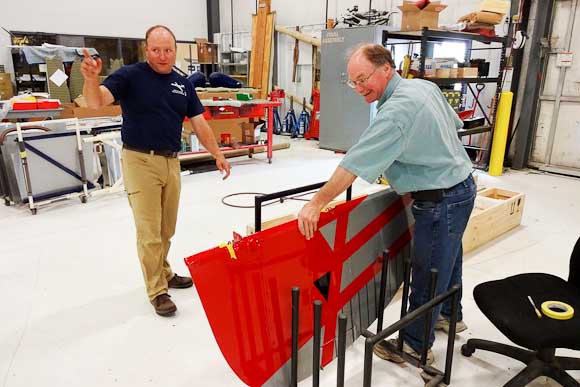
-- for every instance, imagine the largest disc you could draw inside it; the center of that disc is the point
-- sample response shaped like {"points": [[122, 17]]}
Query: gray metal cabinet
{"points": [[344, 115]]}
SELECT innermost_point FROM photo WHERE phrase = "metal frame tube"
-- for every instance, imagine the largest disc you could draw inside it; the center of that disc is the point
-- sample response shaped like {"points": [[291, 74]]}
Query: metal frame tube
{"points": [[406, 285], [295, 319], [341, 350], [316, 344], [451, 337], [258, 200], [382, 291], [429, 316]]}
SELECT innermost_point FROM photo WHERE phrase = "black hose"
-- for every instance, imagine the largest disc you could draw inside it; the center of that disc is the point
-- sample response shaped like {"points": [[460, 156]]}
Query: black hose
{"points": [[280, 200]]}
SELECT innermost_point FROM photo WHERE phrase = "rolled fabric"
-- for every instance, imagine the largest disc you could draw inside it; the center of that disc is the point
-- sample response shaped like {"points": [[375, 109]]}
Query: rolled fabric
{"points": [[198, 79]]}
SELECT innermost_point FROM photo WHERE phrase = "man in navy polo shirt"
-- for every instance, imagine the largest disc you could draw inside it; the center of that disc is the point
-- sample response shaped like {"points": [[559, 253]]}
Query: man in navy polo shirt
{"points": [[155, 100]]}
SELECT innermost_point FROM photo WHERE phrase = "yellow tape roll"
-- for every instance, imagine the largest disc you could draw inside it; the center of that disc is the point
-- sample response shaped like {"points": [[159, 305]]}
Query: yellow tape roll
{"points": [[557, 310]]}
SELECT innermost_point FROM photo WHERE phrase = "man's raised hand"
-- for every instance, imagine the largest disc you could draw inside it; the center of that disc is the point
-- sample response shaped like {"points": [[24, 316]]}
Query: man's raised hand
{"points": [[91, 68]]}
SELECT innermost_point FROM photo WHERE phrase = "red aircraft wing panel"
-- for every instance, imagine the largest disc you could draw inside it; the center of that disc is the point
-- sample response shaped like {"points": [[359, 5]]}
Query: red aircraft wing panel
{"points": [[245, 288]]}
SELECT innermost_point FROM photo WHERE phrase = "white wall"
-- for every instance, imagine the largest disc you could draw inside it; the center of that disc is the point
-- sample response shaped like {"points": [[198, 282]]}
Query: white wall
{"points": [[123, 18], [307, 12], [118, 18]]}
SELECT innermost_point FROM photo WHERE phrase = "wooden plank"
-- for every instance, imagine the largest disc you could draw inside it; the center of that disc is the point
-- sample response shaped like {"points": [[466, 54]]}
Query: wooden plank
{"points": [[229, 153], [496, 212], [265, 5], [250, 228], [299, 35], [256, 59], [269, 33]]}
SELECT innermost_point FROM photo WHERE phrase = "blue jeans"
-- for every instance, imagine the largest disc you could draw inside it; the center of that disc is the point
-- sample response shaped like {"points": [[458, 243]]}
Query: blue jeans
{"points": [[439, 227]]}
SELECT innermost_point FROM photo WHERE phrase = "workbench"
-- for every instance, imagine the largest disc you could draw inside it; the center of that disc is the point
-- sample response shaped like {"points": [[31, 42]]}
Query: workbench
{"points": [[226, 109], [24, 114]]}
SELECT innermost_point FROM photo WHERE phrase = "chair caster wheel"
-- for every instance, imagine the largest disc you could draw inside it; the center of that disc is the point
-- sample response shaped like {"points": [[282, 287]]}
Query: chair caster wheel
{"points": [[466, 350], [83, 199], [34, 211]]}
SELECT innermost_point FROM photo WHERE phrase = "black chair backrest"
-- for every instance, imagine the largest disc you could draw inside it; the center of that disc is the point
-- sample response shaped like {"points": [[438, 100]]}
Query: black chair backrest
{"points": [[574, 276]]}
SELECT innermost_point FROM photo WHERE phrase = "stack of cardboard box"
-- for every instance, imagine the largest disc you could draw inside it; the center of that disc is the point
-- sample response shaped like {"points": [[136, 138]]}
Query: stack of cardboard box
{"points": [[489, 14]]}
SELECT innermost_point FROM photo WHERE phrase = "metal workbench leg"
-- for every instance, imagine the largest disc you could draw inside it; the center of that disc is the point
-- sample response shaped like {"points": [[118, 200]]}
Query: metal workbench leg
{"points": [[25, 169], [269, 111]]}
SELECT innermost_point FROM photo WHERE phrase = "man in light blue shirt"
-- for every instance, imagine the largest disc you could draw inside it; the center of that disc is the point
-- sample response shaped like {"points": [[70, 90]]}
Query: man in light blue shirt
{"points": [[413, 142]]}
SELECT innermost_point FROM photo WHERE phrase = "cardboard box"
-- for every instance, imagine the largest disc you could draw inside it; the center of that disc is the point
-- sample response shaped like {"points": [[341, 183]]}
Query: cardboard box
{"points": [[231, 126], [80, 101], [467, 72], [206, 51], [414, 19], [496, 6], [71, 111], [250, 134], [443, 73], [6, 90], [482, 17]]}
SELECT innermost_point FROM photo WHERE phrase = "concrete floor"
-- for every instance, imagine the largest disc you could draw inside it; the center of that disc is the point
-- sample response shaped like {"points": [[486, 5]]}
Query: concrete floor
{"points": [[75, 312]]}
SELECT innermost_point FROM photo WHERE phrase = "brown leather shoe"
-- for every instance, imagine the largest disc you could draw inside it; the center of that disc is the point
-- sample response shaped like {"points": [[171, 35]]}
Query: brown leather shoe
{"points": [[179, 282], [163, 305]]}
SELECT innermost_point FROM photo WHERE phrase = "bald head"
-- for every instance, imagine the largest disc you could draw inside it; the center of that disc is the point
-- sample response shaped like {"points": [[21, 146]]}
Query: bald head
{"points": [[374, 53], [160, 49], [159, 29]]}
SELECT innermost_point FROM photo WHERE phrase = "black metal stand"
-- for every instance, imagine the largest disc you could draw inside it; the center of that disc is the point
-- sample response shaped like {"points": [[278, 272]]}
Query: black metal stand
{"points": [[295, 319], [423, 310], [316, 344], [382, 291], [258, 200], [341, 352]]}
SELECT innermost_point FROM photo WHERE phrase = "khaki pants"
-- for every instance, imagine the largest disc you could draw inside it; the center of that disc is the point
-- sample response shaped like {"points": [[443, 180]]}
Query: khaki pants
{"points": [[153, 184]]}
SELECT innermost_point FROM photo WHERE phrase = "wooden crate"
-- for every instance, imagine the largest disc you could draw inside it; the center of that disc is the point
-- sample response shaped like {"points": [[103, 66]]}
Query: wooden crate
{"points": [[496, 211]]}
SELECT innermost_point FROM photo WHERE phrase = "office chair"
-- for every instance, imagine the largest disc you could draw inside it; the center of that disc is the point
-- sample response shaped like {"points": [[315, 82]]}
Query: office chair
{"points": [[505, 303]]}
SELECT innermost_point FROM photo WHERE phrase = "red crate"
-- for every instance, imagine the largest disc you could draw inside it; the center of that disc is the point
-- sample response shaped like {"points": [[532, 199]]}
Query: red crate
{"points": [[48, 104], [24, 105]]}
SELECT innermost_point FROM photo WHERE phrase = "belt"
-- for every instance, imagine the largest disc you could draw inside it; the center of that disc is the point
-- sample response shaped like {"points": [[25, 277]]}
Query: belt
{"points": [[432, 195], [164, 153]]}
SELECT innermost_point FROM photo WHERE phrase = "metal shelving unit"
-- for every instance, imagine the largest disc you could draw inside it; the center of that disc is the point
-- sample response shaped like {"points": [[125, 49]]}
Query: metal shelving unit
{"points": [[236, 65], [426, 35]]}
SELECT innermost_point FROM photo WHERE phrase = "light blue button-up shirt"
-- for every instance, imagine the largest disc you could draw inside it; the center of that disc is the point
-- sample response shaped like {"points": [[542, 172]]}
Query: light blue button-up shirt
{"points": [[412, 141]]}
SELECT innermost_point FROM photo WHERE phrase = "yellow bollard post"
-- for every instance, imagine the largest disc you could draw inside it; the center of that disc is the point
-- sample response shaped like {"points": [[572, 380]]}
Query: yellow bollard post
{"points": [[500, 132]]}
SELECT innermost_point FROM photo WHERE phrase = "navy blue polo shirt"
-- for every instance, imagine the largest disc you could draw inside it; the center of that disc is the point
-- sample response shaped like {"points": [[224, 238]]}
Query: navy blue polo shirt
{"points": [[154, 106]]}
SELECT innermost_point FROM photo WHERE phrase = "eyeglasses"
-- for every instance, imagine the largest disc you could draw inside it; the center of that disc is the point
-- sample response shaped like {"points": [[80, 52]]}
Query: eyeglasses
{"points": [[361, 81]]}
